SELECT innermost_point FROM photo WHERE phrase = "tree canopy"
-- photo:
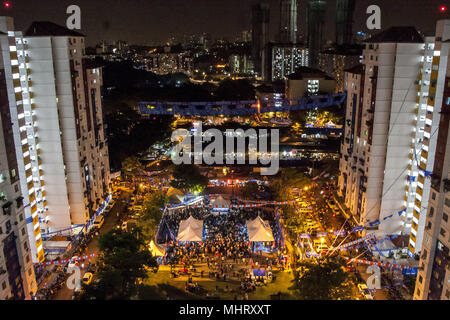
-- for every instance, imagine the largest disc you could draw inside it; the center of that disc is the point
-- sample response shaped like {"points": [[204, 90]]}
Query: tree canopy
{"points": [[323, 279], [152, 213], [250, 189], [188, 178], [123, 261], [289, 178]]}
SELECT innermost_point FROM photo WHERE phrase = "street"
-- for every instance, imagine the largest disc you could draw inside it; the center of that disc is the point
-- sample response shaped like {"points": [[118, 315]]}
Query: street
{"points": [[111, 221]]}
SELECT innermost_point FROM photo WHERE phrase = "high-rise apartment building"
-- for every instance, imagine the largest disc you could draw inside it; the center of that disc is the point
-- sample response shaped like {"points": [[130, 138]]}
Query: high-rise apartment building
{"points": [[167, 60], [260, 33], [17, 278], [388, 121], [282, 60], [334, 61], [288, 21], [56, 110], [315, 20], [433, 278], [344, 21]]}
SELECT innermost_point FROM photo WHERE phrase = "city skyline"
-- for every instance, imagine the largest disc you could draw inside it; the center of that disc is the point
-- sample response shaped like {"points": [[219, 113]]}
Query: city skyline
{"points": [[148, 24], [135, 161]]}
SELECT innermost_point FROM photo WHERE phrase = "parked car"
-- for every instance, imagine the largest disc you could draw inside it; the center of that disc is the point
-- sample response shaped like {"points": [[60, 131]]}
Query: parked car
{"points": [[99, 221], [365, 292], [87, 278]]}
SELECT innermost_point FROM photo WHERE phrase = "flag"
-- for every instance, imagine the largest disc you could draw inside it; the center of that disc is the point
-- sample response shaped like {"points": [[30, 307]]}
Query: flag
{"points": [[358, 228]]}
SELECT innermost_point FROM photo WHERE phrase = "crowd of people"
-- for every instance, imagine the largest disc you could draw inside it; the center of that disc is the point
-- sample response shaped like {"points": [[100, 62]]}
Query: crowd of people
{"points": [[218, 223]]}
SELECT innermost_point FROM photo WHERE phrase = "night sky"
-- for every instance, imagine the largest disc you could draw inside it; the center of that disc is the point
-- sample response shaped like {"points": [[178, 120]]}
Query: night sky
{"points": [[152, 21]]}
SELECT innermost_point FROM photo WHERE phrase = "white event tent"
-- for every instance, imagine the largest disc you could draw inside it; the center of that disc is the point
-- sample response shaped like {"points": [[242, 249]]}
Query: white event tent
{"points": [[190, 230], [259, 230]]}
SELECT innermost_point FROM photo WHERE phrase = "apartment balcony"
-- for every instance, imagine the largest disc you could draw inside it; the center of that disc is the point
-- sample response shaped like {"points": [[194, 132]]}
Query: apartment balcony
{"points": [[435, 181], [446, 183], [18, 96], [13, 55], [27, 160]]}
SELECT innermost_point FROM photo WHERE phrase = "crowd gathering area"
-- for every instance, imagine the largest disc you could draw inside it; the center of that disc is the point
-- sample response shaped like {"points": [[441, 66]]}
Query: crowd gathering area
{"points": [[223, 251]]}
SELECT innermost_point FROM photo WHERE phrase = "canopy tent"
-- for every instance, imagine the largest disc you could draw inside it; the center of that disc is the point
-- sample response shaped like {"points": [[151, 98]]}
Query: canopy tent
{"points": [[190, 230], [259, 230], [156, 250], [221, 203], [175, 195]]}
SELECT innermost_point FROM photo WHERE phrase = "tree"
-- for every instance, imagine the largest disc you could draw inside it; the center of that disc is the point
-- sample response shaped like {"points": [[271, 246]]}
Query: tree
{"points": [[235, 90], [250, 189], [323, 279], [295, 223], [152, 213], [124, 259], [132, 167], [299, 116], [288, 179], [188, 178]]}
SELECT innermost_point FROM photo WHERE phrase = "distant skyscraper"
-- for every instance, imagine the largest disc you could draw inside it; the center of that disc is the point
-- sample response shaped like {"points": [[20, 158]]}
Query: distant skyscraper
{"points": [[344, 21], [260, 32], [315, 20], [288, 21], [280, 60]]}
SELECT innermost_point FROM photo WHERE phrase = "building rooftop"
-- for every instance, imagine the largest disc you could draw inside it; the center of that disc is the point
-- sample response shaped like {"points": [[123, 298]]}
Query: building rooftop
{"points": [[93, 63], [305, 72], [275, 87], [345, 50], [397, 35], [358, 69], [46, 28]]}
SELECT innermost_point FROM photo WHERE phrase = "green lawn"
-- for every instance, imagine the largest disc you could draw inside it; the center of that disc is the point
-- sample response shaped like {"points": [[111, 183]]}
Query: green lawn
{"points": [[161, 283]]}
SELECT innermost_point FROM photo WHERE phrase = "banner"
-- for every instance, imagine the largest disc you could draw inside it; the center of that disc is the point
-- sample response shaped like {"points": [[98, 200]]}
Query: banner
{"points": [[64, 261], [380, 264], [254, 205], [351, 244]]}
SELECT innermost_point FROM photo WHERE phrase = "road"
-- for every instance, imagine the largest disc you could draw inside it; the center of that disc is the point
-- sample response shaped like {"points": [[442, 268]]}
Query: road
{"points": [[111, 221], [324, 216]]}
